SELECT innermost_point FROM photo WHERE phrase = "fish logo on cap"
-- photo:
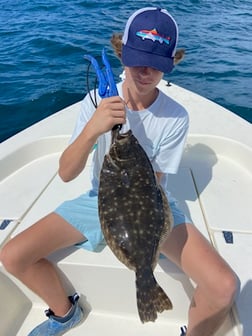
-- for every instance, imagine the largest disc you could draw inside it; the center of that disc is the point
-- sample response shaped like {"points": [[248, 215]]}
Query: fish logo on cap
{"points": [[154, 36]]}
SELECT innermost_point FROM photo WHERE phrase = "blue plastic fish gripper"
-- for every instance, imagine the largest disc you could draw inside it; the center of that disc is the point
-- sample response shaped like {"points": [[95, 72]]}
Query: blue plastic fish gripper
{"points": [[107, 86]]}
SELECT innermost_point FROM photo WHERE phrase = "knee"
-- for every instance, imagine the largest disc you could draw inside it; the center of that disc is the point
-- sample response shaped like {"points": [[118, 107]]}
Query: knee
{"points": [[228, 290], [10, 258]]}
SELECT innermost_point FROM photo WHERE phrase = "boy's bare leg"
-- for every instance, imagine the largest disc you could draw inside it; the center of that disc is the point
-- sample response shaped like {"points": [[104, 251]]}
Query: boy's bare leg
{"points": [[216, 283], [24, 257]]}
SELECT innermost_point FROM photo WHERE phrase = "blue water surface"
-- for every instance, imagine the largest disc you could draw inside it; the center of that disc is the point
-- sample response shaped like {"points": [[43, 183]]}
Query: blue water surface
{"points": [[42, 44]]}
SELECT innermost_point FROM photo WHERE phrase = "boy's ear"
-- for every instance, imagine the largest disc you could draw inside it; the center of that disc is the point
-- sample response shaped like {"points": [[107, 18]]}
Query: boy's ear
{"points": [[180, 53]]}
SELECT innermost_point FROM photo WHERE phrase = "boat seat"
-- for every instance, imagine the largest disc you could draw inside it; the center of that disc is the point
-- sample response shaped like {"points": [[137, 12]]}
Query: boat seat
{"points": [[82, 267], [205, 187], [198, 186]]}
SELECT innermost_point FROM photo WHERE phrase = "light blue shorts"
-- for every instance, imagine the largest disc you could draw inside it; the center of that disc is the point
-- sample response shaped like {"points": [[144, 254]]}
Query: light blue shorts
{"points": [[82, 213]]}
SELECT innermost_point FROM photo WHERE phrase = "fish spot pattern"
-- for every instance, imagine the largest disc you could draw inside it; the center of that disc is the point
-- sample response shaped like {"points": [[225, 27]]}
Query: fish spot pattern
{"points": [[135, 218]]}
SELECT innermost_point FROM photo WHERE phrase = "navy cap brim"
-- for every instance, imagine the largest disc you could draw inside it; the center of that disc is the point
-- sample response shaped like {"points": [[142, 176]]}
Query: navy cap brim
{"points": [[132, 57]]}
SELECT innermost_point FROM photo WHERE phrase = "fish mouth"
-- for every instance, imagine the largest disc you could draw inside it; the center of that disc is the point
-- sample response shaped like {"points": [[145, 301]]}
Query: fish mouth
{"points": [[120, 138], [123, 138], [120, 149]]}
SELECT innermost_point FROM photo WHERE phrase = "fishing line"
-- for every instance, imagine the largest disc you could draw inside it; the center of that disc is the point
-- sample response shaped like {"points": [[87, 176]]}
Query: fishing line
{"points": [[93, 100]]}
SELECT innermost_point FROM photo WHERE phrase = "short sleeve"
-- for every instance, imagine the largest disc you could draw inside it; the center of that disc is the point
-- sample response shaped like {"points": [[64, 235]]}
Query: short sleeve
{"points": [[86, 112]]}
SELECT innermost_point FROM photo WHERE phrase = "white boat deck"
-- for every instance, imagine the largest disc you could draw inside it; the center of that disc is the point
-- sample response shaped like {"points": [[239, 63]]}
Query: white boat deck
{"points": [[213, 186]]}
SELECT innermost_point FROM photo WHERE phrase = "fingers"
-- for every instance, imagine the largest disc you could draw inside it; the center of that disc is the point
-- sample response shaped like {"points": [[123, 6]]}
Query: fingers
{"points": [[110, 112]]}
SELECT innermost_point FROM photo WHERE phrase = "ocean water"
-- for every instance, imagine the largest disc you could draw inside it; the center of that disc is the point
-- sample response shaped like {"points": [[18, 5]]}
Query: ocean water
{"points": [[43, 43]]}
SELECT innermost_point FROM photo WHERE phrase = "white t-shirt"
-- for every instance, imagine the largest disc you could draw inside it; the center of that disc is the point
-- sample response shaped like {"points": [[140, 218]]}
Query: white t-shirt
{"points": [[161, 130]]}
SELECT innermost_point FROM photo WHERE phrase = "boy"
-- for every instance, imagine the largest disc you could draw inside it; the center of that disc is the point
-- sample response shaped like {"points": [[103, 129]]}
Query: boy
{"points": [[160, 125]]}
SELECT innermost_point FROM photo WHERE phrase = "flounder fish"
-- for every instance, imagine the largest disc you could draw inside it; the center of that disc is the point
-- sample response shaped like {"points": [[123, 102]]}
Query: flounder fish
{"points": [[135, 218]]}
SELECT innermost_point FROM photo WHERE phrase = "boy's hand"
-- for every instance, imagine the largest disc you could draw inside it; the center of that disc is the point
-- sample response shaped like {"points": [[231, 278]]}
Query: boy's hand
{"points": [[110, 112]]}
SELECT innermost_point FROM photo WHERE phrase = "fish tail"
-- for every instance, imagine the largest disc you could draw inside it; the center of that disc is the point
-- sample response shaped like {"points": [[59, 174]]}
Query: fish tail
{"points": [[151, 298]]}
